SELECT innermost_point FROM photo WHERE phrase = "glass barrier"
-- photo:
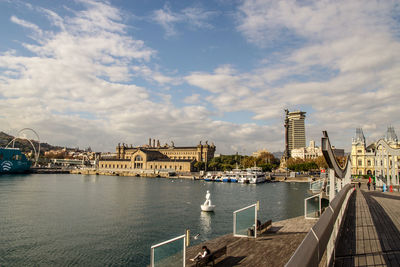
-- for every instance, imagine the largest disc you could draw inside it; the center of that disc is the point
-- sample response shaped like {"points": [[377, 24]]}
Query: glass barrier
{"points": [[244, 221], [169, 253], [312, 207], [316, 186]]}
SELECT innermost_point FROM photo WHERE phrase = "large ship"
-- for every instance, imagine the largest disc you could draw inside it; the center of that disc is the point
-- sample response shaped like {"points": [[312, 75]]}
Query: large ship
{"points": [[13, 161]]}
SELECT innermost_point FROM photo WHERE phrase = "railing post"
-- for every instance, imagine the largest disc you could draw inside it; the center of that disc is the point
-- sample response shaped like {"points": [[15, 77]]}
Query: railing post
{"points": [[332, 184]]}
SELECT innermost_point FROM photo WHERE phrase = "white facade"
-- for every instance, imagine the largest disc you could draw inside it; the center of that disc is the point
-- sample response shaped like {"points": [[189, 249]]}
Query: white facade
{"points": [[310, 152]]}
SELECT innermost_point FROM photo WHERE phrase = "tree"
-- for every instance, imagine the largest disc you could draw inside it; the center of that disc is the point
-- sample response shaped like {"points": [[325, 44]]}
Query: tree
{"points": [[199, 165], [320, 161], [267, 157]]}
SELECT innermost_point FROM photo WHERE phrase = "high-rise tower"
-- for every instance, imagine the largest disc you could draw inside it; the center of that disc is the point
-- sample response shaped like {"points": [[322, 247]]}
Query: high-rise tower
{"points": [[295, 130]]}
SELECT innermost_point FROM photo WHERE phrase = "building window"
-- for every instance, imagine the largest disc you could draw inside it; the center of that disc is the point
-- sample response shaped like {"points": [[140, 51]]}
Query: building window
{"points": [[369, 163], [359, 162], [138, 158], [359, 151]]}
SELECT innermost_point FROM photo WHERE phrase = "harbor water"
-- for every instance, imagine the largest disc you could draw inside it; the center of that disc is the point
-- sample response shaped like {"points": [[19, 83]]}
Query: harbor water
{"points": [[62, 219]]}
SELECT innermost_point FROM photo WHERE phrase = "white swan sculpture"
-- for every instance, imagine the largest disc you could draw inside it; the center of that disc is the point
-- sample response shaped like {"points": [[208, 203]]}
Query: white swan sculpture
{"points": [[207, 206]]}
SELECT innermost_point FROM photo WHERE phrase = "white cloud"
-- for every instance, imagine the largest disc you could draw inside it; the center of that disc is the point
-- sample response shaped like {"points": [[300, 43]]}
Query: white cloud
{"points": [[79, 88], [194, 98], [194, 17], [83, 83], [344, 69]]}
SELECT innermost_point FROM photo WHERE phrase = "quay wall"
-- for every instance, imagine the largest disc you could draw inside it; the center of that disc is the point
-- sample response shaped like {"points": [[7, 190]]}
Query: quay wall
{"points": [[160, 174]]}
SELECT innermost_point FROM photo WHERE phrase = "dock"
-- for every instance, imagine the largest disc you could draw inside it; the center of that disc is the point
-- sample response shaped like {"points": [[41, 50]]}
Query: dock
{"points": [[272, 248], [370, 235]]}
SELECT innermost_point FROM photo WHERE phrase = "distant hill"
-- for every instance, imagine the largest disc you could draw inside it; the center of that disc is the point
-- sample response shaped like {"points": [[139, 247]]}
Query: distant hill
{"points": [[24, 145]]}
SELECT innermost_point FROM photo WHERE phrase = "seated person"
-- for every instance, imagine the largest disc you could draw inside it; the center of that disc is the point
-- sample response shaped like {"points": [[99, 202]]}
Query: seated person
{"points": [[202, 254]]}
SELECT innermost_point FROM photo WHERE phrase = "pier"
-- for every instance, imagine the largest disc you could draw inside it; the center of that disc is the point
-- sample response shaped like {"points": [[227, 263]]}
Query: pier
{"points": [[272, 248], [370, 235]]}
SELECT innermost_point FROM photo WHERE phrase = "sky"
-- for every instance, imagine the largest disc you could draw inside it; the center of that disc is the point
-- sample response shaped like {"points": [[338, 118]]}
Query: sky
{"points": [[97, 73]]}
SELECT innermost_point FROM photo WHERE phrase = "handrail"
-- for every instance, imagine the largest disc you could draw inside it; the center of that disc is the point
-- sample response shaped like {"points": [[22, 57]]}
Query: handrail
{"points": [[330, 157], [312, 248]]}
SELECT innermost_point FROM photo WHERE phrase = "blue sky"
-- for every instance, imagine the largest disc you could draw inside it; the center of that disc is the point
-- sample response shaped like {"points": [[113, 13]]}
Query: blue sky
{"points": [[96, 73]]}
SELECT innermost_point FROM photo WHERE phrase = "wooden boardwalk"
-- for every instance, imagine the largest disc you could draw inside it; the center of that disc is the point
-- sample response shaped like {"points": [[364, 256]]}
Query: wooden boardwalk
{"points": [[370, 235], [273, 248]]}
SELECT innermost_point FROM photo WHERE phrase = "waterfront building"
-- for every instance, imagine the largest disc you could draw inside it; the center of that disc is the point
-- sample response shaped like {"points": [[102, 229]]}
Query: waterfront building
{"points": [[154, 157], [310, 152], [259, 152], [295, 133], [313, 152], [296, 130], [363, 157]]}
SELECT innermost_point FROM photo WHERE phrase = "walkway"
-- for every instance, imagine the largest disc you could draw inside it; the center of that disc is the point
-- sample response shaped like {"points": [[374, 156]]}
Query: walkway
{"points": [[370, 235], [273, 248]]}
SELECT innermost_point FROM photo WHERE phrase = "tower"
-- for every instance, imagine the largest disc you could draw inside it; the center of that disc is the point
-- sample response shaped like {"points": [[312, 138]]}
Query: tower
{"points": [[296, 133]]}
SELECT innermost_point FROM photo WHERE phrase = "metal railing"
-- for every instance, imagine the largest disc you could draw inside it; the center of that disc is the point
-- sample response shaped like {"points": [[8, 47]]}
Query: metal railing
{"points": [[322, 236], [170, 253]]}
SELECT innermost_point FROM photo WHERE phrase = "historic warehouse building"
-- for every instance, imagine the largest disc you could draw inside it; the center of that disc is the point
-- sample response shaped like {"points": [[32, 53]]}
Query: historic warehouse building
{"points": [[154, 157]]}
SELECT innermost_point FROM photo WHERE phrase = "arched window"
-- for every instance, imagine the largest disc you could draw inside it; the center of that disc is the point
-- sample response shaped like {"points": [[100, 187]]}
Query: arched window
{"points": [[138, 158]]}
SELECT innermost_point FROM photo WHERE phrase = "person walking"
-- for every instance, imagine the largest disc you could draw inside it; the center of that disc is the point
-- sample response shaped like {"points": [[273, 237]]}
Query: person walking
{"points": [[369, 185], [374, 184], [359, 184]]}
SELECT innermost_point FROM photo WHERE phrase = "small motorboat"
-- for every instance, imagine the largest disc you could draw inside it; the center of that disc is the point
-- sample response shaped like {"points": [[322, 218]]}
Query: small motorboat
{"points": [[207, 206]]}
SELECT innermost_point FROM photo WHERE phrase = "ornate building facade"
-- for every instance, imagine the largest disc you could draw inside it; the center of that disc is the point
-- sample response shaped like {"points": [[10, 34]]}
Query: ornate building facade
{"points": [[363, 157], [154, 157]]}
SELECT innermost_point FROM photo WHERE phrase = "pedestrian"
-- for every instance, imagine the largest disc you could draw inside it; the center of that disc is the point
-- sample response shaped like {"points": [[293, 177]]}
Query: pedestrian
{"points": [[359, 184], [369, 185], [202, 254], [374, 184]]}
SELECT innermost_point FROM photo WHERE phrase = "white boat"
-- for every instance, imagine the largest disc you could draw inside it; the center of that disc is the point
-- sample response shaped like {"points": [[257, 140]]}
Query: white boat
{"points": [[252, 175], [209, 177], [218, 178]]}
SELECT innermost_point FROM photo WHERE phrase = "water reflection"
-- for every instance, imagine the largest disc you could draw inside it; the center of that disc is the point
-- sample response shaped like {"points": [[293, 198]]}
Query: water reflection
{"points": [[91, 178], [205, 222]]}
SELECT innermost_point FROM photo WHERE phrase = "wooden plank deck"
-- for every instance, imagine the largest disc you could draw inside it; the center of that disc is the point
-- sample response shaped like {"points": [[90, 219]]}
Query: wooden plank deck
{"points": [[272, 248], [370, 235]]}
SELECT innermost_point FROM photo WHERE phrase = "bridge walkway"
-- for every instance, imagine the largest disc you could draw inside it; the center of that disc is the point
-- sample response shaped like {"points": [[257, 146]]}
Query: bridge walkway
{"points": [[370, 235]]}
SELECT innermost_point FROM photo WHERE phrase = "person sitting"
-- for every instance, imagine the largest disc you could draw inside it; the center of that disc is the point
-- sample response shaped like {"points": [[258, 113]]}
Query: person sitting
{"points": [[202, 254]]}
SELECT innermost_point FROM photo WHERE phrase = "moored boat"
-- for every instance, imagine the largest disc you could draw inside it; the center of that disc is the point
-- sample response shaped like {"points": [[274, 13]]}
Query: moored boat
{"points": [[13, 161]]}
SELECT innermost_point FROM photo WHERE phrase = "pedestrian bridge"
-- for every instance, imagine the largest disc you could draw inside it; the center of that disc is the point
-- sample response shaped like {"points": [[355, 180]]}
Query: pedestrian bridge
{"points": [[359, 227]]}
